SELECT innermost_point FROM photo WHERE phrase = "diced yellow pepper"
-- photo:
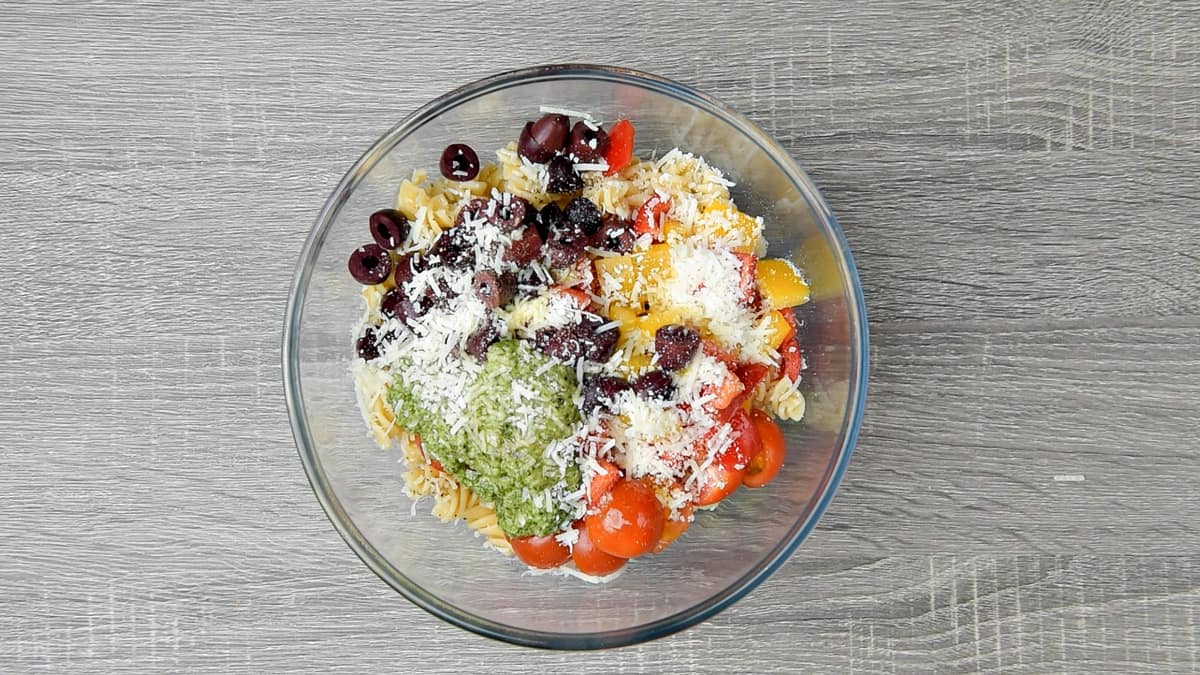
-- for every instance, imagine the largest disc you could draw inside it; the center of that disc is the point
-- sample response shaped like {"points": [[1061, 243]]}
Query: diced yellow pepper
{"points": [[731, 220], [618, 274], [717, 205], [627, 316], [780, 284], [652, 321], [656, 262], [631, 277], [637, 362], [777, 327], [673, 229]]}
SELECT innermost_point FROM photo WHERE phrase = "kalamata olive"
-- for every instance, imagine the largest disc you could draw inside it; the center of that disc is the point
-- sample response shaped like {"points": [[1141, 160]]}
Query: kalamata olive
{"points": [[389, 228], [675, 345], [561, 176], [655, 385], [582, 213], [615, 234], [587, 145], [526, 246], [603, 342], [576, 340], [563, 251], [405, 267], [472, 212], [459, 162], [507, 215], [395, 304], [454, 248], [370, 264], [540, 140], [550, 218], [481, 338], [494, 290], [601, 392], [366, 346]]}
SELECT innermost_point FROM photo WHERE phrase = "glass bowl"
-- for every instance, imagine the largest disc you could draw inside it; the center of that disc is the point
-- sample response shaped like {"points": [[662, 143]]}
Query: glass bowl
{"points": [[443, 568]]}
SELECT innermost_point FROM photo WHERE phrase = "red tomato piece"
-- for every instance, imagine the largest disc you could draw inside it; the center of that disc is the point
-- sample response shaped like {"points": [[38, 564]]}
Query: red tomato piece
{"points": [[714, 350], [591, 560], [671, 531], [745, 444], [650, 215], [747, 285], [579, 296], [765, 465], [540, 552], [751, 374], [790, 316], [629, 521], [719, 482], [790, 358], [620, 146], [602, 483]]}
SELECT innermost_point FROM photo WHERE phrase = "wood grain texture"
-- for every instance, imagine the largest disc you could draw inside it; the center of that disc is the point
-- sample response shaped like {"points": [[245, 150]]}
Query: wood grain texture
{"points": [[1017, 181]]}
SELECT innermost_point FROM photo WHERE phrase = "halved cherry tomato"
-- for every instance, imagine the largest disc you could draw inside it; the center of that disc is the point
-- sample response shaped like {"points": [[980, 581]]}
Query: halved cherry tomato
{"points": [[751, 374], [747, 283], [602, 483], [540, 552], [591, 560], [650, 215], [671, 531], [790, 317], [790, 358], [578, 295], [629, 521], [765, 465], [714, 350], [620, 146], [721, 394], [745, 444], [719, 482]]}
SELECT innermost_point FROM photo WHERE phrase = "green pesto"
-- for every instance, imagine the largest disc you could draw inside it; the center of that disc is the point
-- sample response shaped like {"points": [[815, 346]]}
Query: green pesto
{"points": [[490, 453]]}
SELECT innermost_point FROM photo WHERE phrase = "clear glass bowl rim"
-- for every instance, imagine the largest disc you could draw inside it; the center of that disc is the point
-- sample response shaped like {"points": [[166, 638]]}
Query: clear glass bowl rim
{"points": [[312, 465]]}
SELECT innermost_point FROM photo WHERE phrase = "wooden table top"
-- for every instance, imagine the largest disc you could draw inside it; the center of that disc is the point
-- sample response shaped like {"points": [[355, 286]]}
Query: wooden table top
{"points": [[1018, 183]]}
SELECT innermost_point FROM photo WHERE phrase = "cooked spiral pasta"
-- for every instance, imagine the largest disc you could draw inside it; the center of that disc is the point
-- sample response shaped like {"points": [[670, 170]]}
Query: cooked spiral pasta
{"points": [[784, 401]]}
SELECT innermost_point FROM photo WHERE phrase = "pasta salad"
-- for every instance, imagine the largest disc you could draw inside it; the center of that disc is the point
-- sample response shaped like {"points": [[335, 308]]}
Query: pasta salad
{"points": [[574, 348]]}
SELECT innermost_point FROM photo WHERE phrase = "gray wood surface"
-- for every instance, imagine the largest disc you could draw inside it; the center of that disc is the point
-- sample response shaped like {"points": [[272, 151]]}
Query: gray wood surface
{"points": [[1018, 183]]}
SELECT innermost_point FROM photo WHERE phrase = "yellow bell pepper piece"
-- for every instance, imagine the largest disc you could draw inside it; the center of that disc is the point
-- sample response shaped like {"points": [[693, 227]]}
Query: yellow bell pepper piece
{"points": [[780, 284], [777, 327], [632, 278], [655, 319], [673, 230]]}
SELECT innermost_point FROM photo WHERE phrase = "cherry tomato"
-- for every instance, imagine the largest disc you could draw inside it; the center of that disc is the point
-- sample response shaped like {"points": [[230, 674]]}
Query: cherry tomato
{"points": [[650, 215], [541, 552], [602, 483], [747, 284], [751, 374], [790, 359], [577, 295], [714, 350], [746, 443], [765, 465], [620, 146], [719, 482], [591, 560], [790, 316], [671, 531], [629, 521]]}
